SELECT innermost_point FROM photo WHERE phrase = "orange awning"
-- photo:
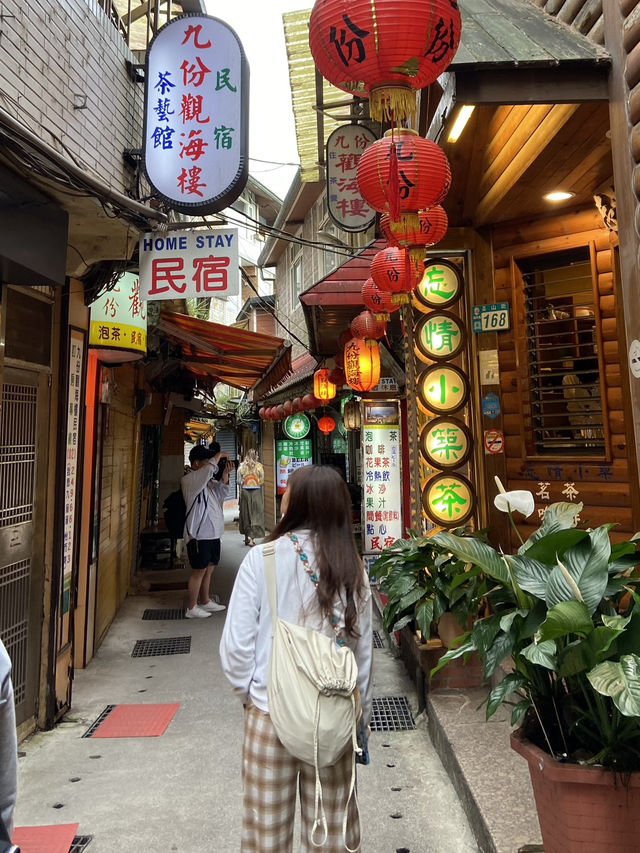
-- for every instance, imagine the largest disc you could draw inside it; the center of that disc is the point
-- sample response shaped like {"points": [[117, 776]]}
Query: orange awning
{"points": [[217, 353]]}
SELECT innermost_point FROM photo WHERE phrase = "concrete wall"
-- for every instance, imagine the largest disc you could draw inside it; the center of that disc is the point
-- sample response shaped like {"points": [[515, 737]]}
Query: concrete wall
{"points": [[51, 52]]}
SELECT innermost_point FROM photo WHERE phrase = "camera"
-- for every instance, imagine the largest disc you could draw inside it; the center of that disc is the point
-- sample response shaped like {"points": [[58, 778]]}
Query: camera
{"points": [[222, 465]]}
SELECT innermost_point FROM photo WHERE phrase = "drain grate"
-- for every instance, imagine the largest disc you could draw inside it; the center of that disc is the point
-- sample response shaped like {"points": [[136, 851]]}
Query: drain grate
{"points": [[100, 720], [80, 843], [157, 615], [391, 714], [162, 646], [378, 642]]}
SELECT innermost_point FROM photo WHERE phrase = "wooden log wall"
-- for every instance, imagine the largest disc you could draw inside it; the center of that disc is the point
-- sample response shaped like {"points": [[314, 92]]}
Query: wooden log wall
{"points": [[602, 484], [583, 15]]}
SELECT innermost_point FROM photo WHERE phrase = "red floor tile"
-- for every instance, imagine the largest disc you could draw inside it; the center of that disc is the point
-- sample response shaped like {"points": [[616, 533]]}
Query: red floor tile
{"points": [[45, 839], [137, 721]]}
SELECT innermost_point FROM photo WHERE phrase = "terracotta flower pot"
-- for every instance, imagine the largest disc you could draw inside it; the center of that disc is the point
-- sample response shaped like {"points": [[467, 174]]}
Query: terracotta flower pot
{"points": [[582, 809]]}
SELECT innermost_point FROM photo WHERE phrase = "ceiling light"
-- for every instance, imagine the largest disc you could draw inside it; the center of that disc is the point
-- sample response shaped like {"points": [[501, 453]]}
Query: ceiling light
{"points": [[558, 195], [464, 114]]}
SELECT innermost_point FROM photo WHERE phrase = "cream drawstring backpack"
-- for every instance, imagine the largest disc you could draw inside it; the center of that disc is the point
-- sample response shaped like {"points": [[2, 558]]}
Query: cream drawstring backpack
{"points": [[313, 701]]}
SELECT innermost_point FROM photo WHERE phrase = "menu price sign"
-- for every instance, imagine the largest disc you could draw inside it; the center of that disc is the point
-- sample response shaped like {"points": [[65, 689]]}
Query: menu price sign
{"points": [[291, 455], [382, 474]]}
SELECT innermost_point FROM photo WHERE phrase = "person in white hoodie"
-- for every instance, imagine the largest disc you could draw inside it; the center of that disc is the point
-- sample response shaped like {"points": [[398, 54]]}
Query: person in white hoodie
{"points": [[8, 743], [204, 497], [323, 585]]}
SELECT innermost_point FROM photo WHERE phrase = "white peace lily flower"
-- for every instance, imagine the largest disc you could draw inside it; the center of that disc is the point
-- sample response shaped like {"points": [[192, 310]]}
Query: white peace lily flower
{"points": [[518, 500]]}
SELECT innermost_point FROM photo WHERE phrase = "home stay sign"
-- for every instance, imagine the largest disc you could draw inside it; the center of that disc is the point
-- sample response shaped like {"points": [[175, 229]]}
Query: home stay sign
{"points": [[188, 264], [196, 126]]}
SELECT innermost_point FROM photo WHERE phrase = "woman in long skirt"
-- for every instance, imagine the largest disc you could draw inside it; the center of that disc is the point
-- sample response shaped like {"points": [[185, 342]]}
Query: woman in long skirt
{"points": [[251, 477]]}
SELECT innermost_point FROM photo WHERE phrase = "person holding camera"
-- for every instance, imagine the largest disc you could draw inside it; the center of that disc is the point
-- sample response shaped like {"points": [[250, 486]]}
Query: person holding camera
{"points": [[204, 496]]}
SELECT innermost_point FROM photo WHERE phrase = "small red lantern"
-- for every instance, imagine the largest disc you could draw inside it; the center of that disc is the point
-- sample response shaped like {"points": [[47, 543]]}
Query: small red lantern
{"points": [[416, 231], [380, 302], [366, 325], [261, 413], [297, 405], [323, 389], [337, 377], [310, 402], [403, 170], [385, 50], [326, 425], [362, 364], [394, 272], [279, 412], [288, 408]]}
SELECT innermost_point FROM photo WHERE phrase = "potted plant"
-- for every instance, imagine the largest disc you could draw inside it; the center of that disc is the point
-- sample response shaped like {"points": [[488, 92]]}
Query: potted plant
{"points": [[566, 615], [424, 583]]}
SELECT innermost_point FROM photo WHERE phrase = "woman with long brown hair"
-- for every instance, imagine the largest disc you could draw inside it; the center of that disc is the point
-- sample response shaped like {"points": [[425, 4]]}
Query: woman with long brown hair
{"points": [[321, 584]]}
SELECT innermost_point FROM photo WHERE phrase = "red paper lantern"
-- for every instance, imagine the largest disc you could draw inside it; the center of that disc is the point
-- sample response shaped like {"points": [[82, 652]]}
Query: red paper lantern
{"points": [[414, 230], [288, 408], [380, 302], [402, 169], [337, 377], [385, 50], [310, 402], [297, 405], [362, 364], [326, 424], [279, 412], [323, 389], [394, 272], [262, 413], [366, 325]]}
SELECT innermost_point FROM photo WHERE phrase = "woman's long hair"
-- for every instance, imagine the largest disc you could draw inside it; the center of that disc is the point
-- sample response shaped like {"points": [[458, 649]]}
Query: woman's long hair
{"points": [[320, 502], [251, 459]]}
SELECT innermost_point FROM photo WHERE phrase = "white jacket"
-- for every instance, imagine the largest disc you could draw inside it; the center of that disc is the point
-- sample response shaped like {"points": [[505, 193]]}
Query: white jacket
{"points": [[204, 498], [8, 743], [246, 639]]}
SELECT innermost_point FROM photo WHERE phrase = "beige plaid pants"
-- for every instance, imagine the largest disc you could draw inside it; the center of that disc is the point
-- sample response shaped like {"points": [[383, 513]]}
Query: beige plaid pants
{"points": [[271, 777]]}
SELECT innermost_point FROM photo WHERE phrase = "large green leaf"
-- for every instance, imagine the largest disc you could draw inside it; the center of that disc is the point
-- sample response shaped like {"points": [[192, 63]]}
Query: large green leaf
{"points": [[629, 642], [424, 616], [559, 516], [519, 711], [553, 545], [470, 550], [587, 564], [484, 632], [464, 648], [410, 598], [399, 625], [565, 618], [584, 654], [509, 684], [399, 587], [542, 654], [501, 648], [531, 575], [620, 681]]}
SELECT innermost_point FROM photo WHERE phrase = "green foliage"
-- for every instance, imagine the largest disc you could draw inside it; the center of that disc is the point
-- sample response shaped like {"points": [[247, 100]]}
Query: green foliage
{"points": [[566, 612], [423, 580]]}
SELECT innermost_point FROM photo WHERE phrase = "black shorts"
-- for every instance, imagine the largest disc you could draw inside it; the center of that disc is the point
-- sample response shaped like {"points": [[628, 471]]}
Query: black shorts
{"points": [[203, 553]]}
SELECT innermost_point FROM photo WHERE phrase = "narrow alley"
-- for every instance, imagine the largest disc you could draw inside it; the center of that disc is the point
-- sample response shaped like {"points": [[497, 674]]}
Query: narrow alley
{"points": [[182, 791]]}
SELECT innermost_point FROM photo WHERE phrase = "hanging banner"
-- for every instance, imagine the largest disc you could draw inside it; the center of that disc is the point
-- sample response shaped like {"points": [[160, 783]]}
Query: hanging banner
{"points": [[196, 115], [73, 433], [118, 327], [188, 264], [345, 204], [382, 507]]}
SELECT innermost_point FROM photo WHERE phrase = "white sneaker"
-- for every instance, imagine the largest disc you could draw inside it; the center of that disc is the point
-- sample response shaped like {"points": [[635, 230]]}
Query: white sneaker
{"points": [[197, 612], [212, 607]]}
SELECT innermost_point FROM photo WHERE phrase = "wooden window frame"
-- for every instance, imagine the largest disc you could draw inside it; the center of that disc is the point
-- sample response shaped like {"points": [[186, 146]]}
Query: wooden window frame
{"points": [[522, 361]]}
